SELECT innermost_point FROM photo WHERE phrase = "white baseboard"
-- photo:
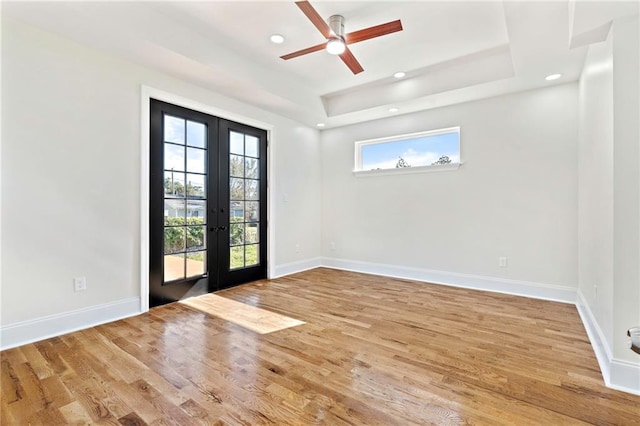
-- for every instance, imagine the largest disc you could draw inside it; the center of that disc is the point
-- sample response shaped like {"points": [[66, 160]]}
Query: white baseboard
{"points": [[555, 293], [624, 377], [617, 374], [596, 336], [24, 332], [295, 267]]}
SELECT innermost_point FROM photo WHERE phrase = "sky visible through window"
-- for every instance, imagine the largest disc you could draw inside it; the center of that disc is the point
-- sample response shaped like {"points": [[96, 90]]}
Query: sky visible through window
{"points": [[421, 151], [174, 131]]}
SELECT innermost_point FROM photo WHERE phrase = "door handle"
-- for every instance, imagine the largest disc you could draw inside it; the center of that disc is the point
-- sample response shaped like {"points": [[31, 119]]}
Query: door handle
{"points": [[222, 228]]}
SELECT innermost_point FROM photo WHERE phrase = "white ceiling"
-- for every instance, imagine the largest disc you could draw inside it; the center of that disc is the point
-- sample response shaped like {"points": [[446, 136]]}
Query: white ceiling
{"points": [[451, 51]]}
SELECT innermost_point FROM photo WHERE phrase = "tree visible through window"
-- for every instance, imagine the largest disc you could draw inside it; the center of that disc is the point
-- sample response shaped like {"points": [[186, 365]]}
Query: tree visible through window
{"points": [[432, 148]]}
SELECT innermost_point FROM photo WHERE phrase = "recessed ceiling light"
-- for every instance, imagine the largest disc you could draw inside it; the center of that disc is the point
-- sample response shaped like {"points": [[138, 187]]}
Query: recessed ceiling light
{"points": [[399, 74], [394, 109], [277, 39], [553, 77], [320, 124]]}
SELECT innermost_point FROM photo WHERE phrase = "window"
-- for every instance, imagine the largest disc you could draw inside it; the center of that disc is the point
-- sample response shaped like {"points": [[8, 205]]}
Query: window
{"points": [[410, 153]]}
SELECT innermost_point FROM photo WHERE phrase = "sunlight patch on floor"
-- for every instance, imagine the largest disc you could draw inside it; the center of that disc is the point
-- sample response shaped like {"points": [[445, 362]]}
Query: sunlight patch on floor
{"points": [[256, 319]]}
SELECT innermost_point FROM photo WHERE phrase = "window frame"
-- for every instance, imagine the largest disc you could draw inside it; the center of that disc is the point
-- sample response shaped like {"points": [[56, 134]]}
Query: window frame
{"points": [[358, 145]]}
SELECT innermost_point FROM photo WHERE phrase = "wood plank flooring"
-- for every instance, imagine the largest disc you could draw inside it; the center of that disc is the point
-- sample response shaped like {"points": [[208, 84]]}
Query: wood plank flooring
{"points": [[373, 351], [255, 319]]}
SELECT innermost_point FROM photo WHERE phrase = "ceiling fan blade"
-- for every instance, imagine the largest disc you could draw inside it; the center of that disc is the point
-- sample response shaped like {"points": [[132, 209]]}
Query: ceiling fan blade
{"points": [[304, 51], [351, 61], [373, 32], [315, 18]]}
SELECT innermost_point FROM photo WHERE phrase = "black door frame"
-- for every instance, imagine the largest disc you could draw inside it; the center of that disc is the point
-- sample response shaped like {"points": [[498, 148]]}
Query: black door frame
{"points": [[217, 229]]}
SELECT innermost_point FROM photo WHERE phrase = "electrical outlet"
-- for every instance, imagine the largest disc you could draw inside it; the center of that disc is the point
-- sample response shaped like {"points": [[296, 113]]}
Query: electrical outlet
{"points": [[80, 284], [332, 246], [297, 248], [502, 261]]}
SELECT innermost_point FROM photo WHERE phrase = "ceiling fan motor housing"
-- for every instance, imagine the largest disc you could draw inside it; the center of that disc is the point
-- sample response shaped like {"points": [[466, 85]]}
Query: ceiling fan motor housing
{"points": [[336, 23]]}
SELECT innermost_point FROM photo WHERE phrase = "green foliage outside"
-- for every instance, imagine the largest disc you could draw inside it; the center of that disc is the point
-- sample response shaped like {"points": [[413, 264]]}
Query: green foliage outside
{"points": [[237, 256], [174, 240], [198, 256], [241, 169], [174, 237], [235, 231], [237, 236], [177, 188]]}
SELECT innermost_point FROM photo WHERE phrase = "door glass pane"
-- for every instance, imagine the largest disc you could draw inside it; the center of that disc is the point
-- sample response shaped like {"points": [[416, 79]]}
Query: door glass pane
{"points": [[252, 211], [236, 189], [251, 146], [196, 160], [196, 263], [236, 234], [196, 212], [174, 267], [251, 256], [251, 168], [236, 211], [196, 134], [174, 212], [173, 129], [236, 259], [236, 143], [196, 186], [173, 157], [174, 239], [251, 233], [195, 238], [236, 165], [251, 189], [173, 184]]}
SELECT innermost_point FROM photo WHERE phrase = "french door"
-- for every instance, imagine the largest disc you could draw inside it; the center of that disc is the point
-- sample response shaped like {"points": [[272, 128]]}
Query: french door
{"points": [[208, 190]]}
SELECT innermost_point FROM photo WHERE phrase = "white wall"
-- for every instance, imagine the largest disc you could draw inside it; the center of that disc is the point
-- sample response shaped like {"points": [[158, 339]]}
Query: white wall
{"points": [[626, 184], [609, 201], [71, 174], [515, 195], [595, 211]]}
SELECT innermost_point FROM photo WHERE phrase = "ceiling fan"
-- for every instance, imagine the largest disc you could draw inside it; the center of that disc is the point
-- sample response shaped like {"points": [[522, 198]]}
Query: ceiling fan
{"points": [[337, 41]]}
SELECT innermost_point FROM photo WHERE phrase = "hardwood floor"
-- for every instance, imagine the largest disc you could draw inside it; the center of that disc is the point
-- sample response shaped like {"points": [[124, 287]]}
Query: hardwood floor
{"points": [[253, 318], [374, 350]]}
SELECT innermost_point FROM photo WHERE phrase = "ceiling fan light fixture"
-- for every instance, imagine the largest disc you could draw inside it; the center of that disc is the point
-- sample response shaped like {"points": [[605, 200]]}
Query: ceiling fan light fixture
{"points": [[336, 46], [277, 38], [334, 29]]}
